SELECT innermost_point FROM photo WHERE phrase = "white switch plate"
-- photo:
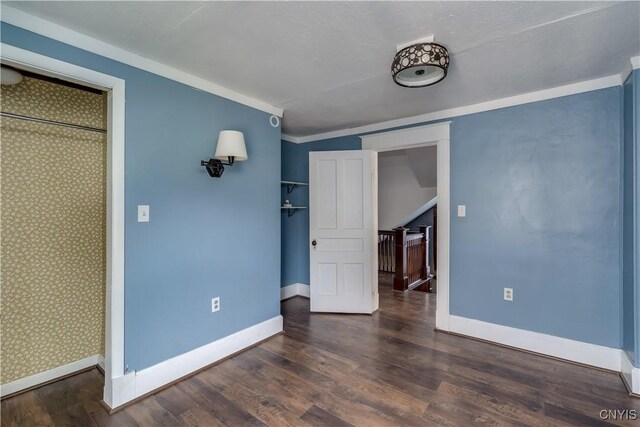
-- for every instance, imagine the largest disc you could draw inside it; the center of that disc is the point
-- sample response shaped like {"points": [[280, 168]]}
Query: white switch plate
{"points": [[143, 213], [215, 304], [508, 294], [462, 211]]}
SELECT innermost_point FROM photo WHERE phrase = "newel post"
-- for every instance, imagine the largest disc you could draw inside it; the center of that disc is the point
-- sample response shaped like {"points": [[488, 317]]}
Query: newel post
{"points": [[401, 279], [425, 252]]}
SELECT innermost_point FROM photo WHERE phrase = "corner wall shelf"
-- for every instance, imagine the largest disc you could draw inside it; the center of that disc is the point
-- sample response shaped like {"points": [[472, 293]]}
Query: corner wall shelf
{"points": [[291, 185], [291, 210]]}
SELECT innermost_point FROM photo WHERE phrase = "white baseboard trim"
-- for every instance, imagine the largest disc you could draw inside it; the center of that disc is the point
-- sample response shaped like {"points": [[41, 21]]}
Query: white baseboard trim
{"points": [[289, 291], [296, 289], [562, 348], [304, 290], [50, 375], [630, 373], [136, 384]]}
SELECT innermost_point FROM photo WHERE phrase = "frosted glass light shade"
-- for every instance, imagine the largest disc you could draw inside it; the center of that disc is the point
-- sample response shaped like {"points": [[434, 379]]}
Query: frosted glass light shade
{"points": [[231, 144]]}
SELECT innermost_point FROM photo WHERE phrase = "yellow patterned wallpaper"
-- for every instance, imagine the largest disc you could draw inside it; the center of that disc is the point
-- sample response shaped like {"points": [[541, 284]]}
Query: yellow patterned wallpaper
{"points": [[52, 228]]}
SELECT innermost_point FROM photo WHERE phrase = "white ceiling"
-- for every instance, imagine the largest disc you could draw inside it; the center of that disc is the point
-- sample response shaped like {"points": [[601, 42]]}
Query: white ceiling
{"points": [[327, 63]]}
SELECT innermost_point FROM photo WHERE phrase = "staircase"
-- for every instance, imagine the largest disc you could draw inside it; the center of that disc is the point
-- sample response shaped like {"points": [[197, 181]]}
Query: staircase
{"points": [[409, 251]]}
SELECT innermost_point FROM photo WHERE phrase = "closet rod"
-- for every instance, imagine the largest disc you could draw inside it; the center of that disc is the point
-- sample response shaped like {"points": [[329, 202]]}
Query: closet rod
{"points": [[50, 122]]}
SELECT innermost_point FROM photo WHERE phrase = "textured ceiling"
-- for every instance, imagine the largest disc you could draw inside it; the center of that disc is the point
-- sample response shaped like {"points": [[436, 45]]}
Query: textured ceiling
{"points": [[327, 63]]}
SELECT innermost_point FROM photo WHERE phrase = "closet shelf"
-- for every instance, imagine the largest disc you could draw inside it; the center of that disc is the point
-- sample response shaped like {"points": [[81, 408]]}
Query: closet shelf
{"points": [[291, 185], [292, 209]]}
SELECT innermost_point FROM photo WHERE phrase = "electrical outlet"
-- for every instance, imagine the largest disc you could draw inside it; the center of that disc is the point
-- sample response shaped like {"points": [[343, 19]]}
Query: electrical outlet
{"points": [[508, 294], [215, 304]]}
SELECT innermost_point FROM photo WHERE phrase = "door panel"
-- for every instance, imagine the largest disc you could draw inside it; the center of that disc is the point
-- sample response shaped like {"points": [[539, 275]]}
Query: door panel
{"points": [[354, 279], [327, 214], [353, 212], [340, 245], [343, 222], [328, 279]]}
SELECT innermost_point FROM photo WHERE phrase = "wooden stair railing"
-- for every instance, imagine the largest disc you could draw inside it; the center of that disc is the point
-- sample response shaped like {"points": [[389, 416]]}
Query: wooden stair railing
{"points": [[386, 251], [405, 254]]}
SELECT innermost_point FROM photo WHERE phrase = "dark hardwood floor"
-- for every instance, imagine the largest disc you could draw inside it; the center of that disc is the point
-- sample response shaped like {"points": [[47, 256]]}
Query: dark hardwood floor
{"points": [[338, 370]]}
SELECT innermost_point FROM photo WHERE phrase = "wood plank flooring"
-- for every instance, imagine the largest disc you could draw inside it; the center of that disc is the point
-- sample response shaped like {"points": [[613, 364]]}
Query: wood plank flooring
{"points": [[338, 370]]}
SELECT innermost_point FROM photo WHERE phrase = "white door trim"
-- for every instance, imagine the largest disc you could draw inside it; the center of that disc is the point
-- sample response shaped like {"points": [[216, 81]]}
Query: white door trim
{"points": [[421, 136], [114, 312], [630, 373]]}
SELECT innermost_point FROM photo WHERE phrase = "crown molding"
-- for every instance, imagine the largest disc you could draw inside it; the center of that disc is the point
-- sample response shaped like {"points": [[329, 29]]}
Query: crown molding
{"points": [[525, 98], [289, 138], [65, 35]]}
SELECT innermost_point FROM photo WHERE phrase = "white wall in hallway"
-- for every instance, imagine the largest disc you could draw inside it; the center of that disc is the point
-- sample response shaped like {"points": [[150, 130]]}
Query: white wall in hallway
{"points": [[405, 183]]}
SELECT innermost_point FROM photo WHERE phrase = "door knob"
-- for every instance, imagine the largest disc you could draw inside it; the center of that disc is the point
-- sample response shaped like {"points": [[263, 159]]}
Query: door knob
{"points": [[314, 243]]}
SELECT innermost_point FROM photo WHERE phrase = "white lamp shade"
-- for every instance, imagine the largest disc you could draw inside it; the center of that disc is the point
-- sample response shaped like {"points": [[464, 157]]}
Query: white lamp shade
{"points": [[231, 144]]}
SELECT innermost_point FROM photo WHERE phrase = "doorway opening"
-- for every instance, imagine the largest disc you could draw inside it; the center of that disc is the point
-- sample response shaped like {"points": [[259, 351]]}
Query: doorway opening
{"points": [[407, 219], [437, 135], [53, 172], [25, 61]]}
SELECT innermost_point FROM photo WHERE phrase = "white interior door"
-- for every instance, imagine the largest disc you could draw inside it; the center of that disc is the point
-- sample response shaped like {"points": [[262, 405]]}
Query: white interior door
{"points": [[343, 226]]}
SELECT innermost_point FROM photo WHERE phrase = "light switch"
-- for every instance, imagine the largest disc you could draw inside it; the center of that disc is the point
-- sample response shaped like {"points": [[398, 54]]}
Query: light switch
{"points": [[143, 213], [462, 211]]}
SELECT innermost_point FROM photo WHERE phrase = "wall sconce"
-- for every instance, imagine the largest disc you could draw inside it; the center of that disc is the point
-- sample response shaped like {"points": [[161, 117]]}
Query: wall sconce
{"points": [[230, 148]]}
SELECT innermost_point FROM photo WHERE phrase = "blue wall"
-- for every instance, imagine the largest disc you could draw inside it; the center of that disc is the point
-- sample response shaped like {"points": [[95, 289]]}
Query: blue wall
{"points": [[541, 183], [295, 229], [636, 127], [631, 282], [201, 240], [541, 186]]}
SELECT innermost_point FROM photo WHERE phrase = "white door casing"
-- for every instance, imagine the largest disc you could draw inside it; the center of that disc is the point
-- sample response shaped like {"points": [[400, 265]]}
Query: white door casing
{"points": [[114, 310], [421, 136], [343, 227]]}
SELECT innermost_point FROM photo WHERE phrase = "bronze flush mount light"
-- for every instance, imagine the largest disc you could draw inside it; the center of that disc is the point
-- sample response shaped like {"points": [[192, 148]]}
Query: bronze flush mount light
{"points": [[420, 65]]}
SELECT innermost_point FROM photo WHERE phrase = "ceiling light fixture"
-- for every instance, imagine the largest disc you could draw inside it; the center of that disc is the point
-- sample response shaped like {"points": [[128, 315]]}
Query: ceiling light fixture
{"points": [[420, 64], [9, 76]]}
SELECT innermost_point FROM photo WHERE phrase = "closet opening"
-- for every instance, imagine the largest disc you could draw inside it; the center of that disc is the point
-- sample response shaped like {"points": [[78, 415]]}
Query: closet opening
{"points": [[53, 223]]}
